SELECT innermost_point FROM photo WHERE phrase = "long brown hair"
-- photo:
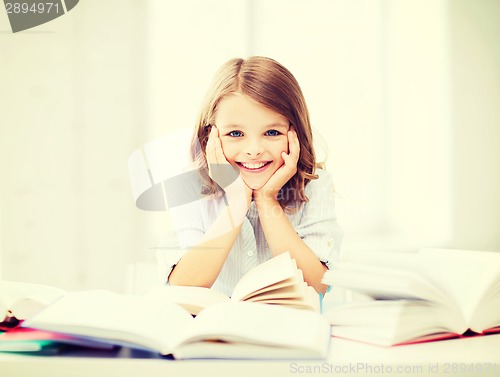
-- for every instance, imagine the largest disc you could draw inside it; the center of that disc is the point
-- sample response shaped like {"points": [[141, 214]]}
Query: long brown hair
{"points": [[272, 85]]}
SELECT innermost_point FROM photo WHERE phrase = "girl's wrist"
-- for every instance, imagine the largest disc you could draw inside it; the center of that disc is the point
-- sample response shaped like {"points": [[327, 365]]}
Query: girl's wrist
{"points": [[262, 200], [239, 195], [236, 188]]}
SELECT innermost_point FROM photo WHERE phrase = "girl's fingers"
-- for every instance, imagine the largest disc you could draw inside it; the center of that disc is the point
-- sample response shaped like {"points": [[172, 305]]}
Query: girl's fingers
{"points": [[288, 159], [209, 148], [292, 156], [293, 144], [216, 160], [213, 148], [289, 168], [219, 153]]}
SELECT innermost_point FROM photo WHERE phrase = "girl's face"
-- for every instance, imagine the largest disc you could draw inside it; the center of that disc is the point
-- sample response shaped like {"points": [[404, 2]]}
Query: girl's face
{"points": [[253, 137]]}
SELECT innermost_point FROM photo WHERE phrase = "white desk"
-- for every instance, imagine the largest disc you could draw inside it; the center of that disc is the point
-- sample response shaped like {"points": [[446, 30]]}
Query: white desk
{"points": [[347, 358]]}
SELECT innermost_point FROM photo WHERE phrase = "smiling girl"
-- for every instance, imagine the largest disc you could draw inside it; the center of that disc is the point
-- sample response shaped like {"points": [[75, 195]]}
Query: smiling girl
{"points": [[266, 195]]}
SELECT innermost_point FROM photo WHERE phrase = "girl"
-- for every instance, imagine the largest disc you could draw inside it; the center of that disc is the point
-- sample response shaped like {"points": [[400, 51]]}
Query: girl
{"points": [[265, 195]]}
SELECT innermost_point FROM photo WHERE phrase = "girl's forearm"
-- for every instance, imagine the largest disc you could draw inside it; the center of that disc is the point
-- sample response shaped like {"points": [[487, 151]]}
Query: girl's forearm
{"points": [[202, 263], [200, 266], [281, 237]]}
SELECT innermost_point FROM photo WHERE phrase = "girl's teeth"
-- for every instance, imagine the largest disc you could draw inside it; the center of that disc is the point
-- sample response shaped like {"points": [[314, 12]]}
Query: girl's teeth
{"points": [[253, 166]]}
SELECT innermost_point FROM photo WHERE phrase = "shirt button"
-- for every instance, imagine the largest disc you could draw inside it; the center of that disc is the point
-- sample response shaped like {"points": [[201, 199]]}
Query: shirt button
{"points": [[250, 253]]}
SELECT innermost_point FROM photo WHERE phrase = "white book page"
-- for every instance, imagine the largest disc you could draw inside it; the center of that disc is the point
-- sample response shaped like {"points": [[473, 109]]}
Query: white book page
{"points": [[270, 325], [116, 318], [384, 283], [402, 315], [270, 272], [465, 275], [220, 350], [193, 299], [25, 299], [393, 321], [290, 291], [384, 275]]}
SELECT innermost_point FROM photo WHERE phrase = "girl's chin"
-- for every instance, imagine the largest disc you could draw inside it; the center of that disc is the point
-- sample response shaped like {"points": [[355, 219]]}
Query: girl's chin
{"points": [[254, 184], [257, 181]]}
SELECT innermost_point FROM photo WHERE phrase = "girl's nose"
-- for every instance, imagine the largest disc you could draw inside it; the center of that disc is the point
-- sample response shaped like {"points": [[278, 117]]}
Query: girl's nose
{"points": [[253, 148]]}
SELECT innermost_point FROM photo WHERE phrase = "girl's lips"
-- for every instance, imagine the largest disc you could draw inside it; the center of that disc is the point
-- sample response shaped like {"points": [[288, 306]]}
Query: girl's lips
{"points": [[251, 167]]}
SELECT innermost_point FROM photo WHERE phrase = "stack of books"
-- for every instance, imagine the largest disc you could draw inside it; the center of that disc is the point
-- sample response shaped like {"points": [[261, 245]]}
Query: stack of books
{"points": [[405, 298]]}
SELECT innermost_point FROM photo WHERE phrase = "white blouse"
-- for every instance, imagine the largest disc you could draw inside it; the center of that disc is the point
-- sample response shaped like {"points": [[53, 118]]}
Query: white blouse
{"points": [[315, 223]]}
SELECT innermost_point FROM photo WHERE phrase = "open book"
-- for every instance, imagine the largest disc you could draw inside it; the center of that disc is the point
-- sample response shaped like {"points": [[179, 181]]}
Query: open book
{"points": [[277, 281], [413, 297], [224, 330], [19, 301], [161, 319]]}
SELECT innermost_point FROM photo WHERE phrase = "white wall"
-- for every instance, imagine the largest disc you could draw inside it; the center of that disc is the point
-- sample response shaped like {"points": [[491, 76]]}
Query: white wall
{"points": [[378, 87], [405, 95], [72, 109], [475, 27]]}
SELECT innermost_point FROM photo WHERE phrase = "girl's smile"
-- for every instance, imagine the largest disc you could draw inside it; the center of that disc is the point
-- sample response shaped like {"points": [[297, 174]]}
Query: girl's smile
{"points": [[253, 137], [253, 167]]}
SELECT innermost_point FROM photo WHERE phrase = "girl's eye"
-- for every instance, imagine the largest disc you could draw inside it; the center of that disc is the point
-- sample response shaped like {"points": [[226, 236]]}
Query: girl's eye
{"points": [[235, 134], [273, 133]]}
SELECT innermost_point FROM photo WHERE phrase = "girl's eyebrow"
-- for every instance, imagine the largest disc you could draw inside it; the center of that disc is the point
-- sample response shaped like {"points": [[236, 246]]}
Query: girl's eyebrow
{"points": [[269, 126], [278, 125]]}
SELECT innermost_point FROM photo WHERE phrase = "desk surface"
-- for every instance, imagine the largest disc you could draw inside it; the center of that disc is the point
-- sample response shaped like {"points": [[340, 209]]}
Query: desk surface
{"points": [[474, 356]]}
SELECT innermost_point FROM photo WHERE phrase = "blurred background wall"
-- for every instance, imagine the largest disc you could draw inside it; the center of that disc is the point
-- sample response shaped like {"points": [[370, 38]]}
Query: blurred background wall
{"points": [[403, 94]]}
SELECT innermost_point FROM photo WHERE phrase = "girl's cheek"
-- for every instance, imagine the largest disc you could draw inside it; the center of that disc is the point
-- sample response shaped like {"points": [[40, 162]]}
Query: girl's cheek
{"points": [[229, 151]]}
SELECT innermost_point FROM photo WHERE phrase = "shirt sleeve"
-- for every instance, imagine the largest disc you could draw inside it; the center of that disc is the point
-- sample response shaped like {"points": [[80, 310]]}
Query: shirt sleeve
{"points": [[318, 225], [187, 229]]}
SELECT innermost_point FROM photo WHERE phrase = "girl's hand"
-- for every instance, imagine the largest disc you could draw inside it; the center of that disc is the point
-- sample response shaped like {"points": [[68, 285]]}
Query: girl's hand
{"points": [[272, 187], [219, 169], [222, 172]]}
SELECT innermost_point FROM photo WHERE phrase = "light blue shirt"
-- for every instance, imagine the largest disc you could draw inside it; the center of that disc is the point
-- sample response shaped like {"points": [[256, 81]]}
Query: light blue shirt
{"points": [[315, 222]]}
